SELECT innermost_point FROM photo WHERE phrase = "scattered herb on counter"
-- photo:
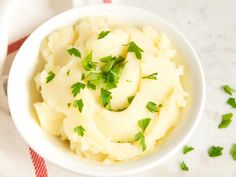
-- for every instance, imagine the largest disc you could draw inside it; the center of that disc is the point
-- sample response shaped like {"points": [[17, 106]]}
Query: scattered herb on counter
{"points": [[76, 87], [183, 166], [79, 130], [79, 104], [103, 34], [226, 120], [136, 49], [215, 151], [233, 151], [228, 89], [130, 99], [74, 51], [105, 97], [152, 76], [50, 76], [231, 101], [88, 64], [187, 149]]}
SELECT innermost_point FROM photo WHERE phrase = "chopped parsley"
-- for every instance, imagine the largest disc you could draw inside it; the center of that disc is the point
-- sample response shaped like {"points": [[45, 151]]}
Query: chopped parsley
{"points": [[183, 166], [136, 49], [105, 97], [130, 99], [91, 85], [79, 104], [226, 120], [187, 149], [140, 137], [228, 89], [152, 76], [151, 106], [50, 76], [79, 130], [103, 34], [76, 87], [231, 101], [215, 151], [233, 151], [88, 64], [143, 123], [82, 76], [68, 73], [95, 78], [74, 51]]}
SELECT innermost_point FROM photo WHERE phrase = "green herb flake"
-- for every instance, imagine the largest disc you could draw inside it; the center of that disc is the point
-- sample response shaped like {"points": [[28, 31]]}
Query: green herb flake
{"points": [[95, 78], [105, 97], [136, 49], [151, 106], [215, 151], [226, 120], [140, 137], [79, 130], [91, 85], [82, 76], [68, 73], [68, 105], [183, 166], [74, 51], [130, 99], [233, 151], [152, 76], [88, 64], [231, 101], [50, 76], [79, 105], [228, 89], [143, 123], [103, 34], [76, 87], [187, 149]]}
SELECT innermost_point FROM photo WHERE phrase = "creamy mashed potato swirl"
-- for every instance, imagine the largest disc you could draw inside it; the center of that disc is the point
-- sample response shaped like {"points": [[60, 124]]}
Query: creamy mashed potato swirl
{"points": [[138, 95]]}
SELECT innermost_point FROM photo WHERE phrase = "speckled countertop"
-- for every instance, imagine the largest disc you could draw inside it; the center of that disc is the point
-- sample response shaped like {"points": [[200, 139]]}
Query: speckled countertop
{"points": [[210, 26]]}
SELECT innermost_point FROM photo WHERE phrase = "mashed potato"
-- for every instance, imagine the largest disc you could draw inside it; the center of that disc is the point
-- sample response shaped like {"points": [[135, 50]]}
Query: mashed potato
{"points": [[111, 89]]}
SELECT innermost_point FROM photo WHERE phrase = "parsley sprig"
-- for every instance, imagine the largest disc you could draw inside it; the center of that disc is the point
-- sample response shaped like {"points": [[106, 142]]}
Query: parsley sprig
{"points": [[76, 87], [50, 76], [105, 97], [103, 34], [226, 120], [73, 51], [79, 104], [88, 64], [133, 47], [79, 130]]}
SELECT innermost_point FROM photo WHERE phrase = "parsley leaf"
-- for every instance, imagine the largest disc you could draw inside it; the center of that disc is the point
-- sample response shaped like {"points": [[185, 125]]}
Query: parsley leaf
{"points": [[187, 149], [68, 73], [79, 130], [226, 120], [76, 87], [105, 97], [91, 85], [82, 76], [136, 49], [233, 151], [215, 151], [103, 34], [143, 123], [130, 99], [88, 64], [152, 76], [228, 89], [183, 166], [151, 106], [79, 105], [95, 78], [74, 51], [231, 101], [140, 137], [50, 76]]}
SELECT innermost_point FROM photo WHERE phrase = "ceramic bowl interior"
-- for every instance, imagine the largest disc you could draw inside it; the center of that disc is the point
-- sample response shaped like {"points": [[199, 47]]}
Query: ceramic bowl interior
{"points": [[21, 92]]}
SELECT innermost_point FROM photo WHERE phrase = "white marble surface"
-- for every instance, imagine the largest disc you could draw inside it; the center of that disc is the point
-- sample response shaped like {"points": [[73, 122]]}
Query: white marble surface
{"points": [[210, 25]]}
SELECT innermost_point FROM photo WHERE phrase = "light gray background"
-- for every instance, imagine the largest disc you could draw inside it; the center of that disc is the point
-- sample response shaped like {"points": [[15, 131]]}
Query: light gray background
{"points": [[210, 26]]}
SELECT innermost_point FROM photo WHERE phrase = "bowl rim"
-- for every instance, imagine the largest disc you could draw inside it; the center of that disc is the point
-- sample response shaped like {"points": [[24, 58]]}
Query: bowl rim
{"points": [[131, 170]]}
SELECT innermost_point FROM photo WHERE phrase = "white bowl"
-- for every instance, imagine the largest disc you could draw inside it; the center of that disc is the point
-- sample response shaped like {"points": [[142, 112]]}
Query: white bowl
{"points": [[21, 95]]}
